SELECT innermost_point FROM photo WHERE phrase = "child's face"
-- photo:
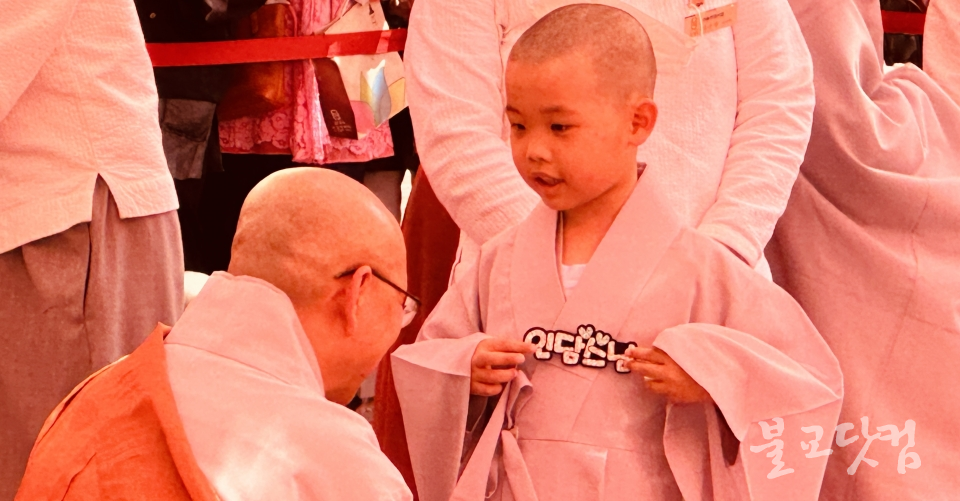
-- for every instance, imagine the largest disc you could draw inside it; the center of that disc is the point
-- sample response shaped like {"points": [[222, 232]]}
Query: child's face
{"points": [[571, 143]]}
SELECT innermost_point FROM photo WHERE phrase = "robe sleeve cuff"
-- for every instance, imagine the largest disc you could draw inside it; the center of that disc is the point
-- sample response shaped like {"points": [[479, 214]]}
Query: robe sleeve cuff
{"points": [[432, 380], [721, 360]]}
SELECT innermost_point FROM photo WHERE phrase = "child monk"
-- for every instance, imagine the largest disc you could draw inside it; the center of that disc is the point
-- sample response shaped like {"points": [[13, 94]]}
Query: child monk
{"points": [[680, 375]]}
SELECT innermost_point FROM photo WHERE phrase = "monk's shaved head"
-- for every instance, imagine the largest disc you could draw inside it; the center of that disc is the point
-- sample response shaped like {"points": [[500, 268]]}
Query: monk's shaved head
{"points": [[300, 227], [612, 40]]}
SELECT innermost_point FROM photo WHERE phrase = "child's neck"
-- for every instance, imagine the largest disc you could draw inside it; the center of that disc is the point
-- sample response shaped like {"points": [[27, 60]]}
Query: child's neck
{"points": [[585, 226]]}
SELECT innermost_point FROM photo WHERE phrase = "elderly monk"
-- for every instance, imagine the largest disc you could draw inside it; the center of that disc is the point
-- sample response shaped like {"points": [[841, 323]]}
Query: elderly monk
{"points": [[869, 246], [242, 399]]}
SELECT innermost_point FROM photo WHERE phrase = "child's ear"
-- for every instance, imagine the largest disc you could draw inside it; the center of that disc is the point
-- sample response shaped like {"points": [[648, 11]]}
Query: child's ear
{"points": [[644, 119]]}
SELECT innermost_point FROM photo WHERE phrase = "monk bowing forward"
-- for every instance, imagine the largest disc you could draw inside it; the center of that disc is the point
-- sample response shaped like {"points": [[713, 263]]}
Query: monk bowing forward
{"points": [[683, 374], [243, 398]]}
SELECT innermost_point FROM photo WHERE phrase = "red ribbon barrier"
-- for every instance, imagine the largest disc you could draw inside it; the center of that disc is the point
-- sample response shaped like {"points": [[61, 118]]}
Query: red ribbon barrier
{"points": [[262, 50], [905, 23]]}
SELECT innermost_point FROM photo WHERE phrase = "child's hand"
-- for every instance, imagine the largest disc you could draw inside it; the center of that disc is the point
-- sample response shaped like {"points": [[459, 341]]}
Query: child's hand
{"points": [[663, 376], [494, 363]]}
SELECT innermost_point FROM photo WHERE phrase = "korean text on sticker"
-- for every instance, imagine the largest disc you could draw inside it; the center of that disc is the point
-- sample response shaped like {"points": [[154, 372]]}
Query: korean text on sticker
{"points": [[588, 347]]}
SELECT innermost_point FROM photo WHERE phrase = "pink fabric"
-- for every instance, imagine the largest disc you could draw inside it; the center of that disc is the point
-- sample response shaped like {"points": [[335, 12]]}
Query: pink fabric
{"points": [[77, 100], [941, 39], [869, 246], [250, 394], [298, 129], [731, 135], [586, 433]]}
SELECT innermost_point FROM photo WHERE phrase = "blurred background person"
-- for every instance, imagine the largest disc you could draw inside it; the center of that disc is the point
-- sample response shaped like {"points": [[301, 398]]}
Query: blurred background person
{"points": [[90, 252]]}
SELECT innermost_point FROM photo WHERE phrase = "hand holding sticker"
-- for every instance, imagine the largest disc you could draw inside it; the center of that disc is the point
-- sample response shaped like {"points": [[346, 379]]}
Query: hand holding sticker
{"points": [[663, 376]]}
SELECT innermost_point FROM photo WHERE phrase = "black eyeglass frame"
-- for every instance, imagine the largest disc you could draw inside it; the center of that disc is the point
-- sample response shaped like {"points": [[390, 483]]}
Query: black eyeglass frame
{"points": [[385, 280]]}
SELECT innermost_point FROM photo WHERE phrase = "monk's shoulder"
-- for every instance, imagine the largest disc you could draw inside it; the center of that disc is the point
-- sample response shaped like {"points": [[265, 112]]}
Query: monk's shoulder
{"points": [[103, 396], [92, 421], [330, 431], [349, 427]]}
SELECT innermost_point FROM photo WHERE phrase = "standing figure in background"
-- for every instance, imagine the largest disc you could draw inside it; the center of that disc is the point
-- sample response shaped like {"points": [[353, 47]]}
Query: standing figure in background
{"points": [[188, 101], [870, 247], [228, 127], [90, 254], [736, 101], [277, 115]]}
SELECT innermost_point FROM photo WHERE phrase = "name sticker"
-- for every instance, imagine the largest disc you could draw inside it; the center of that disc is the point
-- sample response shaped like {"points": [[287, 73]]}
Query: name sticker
{"points": [[710, 20], [588, 347]]}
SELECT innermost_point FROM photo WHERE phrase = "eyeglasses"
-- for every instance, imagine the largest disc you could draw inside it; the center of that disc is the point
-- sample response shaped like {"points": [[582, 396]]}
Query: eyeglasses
{"points": [[411, 303]]}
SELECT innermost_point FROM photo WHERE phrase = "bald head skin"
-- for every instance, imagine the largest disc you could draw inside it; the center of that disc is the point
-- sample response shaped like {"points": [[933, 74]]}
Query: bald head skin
{"points": [[299, 229], [614, 42]]}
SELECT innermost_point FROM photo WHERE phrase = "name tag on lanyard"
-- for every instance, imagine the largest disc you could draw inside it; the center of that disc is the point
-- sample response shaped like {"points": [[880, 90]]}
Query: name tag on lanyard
{"points": [[707, 21]]}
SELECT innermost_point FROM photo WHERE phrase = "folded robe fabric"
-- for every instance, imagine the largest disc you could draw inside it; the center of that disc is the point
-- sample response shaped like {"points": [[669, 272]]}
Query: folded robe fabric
{"points": [[575, 432], [117, 436], [250, 394], [870, 246], [941, 40]]}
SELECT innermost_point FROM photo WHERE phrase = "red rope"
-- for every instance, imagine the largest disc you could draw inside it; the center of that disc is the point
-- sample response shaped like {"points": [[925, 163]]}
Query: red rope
{"points": [[262, 50], [907, 23]]}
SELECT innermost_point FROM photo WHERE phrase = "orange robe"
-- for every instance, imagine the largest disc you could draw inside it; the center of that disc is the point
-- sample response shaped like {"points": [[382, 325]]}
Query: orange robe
{"points": [[117, 436]]}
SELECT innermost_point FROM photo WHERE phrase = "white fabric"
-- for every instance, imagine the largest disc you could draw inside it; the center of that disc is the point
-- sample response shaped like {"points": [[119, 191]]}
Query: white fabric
{"points": [[77, 100], [193, 282], [570, 276], [725, 152], [248, 389]]}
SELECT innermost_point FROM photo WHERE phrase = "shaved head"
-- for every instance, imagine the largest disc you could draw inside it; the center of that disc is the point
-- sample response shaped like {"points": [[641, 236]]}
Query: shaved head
{"points": [[300, 227], [612, 40], [303, 230]]}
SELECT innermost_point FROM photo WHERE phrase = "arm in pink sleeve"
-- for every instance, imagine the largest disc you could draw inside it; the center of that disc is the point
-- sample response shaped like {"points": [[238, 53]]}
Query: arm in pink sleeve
{"points": [[940, 43], [29, 33], [941, 39], [454, 75], [774, 115], [900, 122]]}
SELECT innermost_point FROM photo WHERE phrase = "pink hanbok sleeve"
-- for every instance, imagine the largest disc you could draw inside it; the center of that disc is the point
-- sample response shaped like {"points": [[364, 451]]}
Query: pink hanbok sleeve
{"points": [[456, 105], [436, 420], [29, 33], [941, 39], [869, 247], [765, 367], [900, 121], [772, 128]]}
